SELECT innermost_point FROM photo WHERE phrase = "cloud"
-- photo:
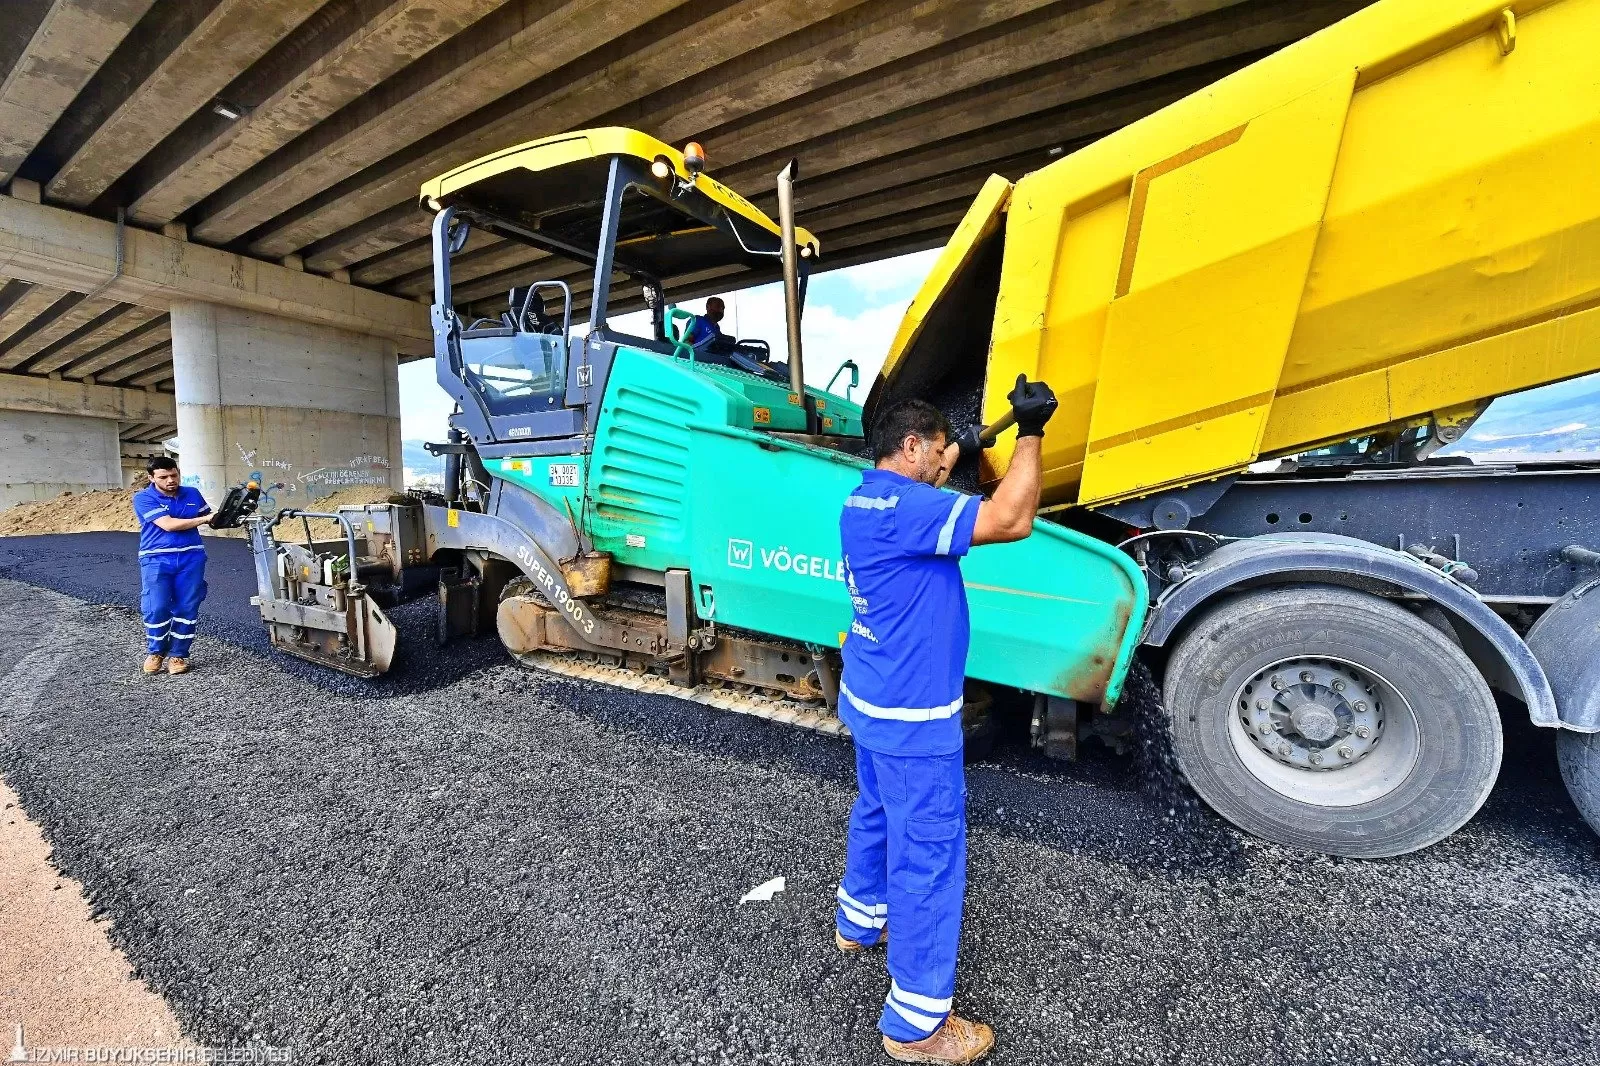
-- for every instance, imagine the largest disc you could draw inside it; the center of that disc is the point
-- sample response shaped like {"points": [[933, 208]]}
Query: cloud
{"points": [[892, 276], [1570, 427]]}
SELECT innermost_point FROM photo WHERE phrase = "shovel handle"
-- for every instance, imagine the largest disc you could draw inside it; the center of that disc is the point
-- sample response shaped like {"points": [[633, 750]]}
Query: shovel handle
{"points": [[999, 426]]}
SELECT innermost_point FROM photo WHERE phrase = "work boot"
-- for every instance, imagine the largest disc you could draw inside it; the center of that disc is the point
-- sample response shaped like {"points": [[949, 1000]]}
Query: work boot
{"points": [[850, 947], [152, 663], [956, 1041], [176, 665]]}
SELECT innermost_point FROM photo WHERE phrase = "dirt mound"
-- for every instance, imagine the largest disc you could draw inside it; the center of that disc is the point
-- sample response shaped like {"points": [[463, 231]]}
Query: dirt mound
{"points": [[72, 512], [322, 528], [111, 510]]}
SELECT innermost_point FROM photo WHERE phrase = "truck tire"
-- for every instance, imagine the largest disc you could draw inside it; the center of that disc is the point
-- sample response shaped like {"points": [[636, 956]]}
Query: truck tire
{"points": [[1331, 720], [1579, 757]]}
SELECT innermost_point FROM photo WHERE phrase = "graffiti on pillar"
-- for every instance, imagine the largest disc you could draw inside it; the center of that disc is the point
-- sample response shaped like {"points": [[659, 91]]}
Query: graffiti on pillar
{"points": [[282, 485]]}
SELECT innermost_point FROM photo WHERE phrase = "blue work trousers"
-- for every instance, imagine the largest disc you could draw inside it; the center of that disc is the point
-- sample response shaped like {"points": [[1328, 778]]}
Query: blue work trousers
{"points": [[906, 868], [171, 586]]}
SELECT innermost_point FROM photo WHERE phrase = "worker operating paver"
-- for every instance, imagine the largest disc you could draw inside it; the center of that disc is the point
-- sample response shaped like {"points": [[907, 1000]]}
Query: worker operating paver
{"points": [[172, 565], [901, 695]]}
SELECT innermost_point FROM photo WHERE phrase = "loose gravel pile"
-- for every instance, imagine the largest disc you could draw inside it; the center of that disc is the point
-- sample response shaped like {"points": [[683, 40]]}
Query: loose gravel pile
{"points": [[510, 867]]}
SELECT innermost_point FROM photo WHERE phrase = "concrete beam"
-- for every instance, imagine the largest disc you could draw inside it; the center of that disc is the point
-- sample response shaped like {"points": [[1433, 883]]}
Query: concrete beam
{"points": [[61, 356], [1048, 44], [134, 342], [164, 374], [961, 59], [351, 57], [628, 68], [70, 44], [52, 246], [774, 67], [81, 316], [17, 28], [222, 39], [876, 48], [133, 369], [1107, 89], [498, 56], [24, 313], [26, 392]]}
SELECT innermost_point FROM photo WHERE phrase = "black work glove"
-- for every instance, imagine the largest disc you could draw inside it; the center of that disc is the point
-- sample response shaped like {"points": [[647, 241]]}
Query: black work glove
{"points": [[971, 443], [1032, 404]]}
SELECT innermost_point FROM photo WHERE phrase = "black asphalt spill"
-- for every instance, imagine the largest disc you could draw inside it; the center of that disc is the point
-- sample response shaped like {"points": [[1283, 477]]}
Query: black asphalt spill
{"points": [[510, 866]]}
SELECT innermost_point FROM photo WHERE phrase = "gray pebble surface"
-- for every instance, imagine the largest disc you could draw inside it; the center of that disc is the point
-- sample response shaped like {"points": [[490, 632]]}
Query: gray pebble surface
{"points": [[476, 861]]}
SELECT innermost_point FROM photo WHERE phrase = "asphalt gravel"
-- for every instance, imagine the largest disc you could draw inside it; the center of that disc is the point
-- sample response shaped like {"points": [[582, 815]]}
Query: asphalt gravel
{"points": [[503, 865]]}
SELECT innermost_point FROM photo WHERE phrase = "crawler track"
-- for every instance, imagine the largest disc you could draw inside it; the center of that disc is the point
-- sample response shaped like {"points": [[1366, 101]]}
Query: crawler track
{"points": [[789, 712]]}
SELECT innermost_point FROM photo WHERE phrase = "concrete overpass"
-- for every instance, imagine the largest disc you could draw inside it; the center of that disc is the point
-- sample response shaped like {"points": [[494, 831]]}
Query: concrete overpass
{"points": [[211, 226]]}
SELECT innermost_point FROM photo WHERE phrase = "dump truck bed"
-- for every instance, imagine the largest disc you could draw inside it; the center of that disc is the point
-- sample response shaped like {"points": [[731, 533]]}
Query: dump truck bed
{"points": [[1390, 221]]}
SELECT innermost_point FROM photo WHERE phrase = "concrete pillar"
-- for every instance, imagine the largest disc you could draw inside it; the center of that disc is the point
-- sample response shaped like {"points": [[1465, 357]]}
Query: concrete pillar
{"points": [[308, 409], [44, 454]]}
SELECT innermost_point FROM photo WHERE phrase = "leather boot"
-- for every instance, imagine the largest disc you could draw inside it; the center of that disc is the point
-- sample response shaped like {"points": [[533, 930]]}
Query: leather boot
{"points": [[956, 1041]]}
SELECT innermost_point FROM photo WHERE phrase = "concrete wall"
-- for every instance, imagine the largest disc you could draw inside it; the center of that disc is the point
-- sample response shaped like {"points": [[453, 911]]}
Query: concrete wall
{"points": [[42, 455], [307, 409]]}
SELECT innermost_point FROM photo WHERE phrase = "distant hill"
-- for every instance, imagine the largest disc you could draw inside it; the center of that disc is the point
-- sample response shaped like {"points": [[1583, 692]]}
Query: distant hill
{"points": [[419, 464], [1556, 422]]}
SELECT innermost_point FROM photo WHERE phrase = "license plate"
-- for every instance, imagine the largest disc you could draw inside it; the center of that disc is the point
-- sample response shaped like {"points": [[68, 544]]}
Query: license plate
{"points": [[564, 475]]}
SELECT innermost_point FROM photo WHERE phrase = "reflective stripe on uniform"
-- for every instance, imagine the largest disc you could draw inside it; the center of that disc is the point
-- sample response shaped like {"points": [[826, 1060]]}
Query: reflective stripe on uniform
{"points": [[169, 551], [914, 1018], [871, 503], [862, 920], [902, 714], [844, 897], [949, 529], [921, 1002]]}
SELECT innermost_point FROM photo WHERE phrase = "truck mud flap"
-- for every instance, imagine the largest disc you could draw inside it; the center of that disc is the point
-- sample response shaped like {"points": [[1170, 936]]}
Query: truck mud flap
{"points": [[1566, 641]]}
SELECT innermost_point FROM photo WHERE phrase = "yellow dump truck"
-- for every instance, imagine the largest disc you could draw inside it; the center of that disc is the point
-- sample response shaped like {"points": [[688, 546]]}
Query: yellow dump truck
{"points": [[1382, 227], [1342, 254], [1339, 254]]}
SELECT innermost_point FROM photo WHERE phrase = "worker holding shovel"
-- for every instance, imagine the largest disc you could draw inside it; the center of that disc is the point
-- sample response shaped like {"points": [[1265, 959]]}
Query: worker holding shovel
{"points": [[901, 695]]}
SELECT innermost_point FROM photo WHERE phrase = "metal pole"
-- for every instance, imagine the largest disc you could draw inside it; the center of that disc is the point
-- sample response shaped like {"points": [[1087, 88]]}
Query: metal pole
{"points": [[791, 274], [610, 221]]}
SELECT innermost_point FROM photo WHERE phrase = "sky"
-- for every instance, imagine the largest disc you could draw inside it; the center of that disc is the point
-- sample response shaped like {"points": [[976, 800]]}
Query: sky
{"points": [[850, 313]]}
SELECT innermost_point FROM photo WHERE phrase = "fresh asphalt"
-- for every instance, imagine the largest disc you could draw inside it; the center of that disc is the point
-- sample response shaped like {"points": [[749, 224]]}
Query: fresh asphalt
{"points": [[468, 861]]}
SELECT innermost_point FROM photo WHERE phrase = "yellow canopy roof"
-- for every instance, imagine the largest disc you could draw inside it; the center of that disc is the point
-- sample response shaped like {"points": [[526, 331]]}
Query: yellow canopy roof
{"points": [[582, 146]]}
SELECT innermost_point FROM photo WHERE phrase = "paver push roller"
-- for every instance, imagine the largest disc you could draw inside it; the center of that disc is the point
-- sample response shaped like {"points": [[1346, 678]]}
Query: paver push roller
{"points": [[1340, 254]]}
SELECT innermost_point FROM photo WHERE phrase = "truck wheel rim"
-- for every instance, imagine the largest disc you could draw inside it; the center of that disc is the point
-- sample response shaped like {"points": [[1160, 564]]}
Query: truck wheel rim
{"points": [[1323, 730]]}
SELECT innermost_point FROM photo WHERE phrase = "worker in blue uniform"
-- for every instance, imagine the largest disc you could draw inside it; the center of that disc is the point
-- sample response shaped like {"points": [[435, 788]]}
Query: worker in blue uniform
{"points": [[901, 695], [172, 564], [706, 329]]}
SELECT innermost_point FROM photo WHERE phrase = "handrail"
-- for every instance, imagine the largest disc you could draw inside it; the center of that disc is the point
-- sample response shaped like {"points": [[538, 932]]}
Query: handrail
{"points": [[306, 516], [855, 378]]}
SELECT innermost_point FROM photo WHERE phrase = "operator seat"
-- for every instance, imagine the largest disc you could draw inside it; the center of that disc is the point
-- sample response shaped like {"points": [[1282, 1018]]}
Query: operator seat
{"points": [[527, 314]]}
